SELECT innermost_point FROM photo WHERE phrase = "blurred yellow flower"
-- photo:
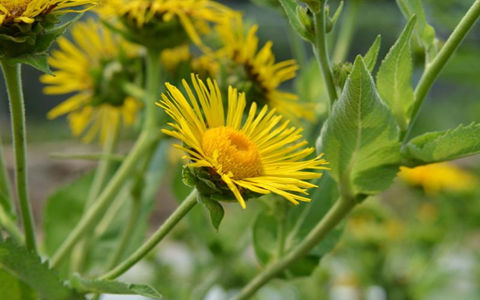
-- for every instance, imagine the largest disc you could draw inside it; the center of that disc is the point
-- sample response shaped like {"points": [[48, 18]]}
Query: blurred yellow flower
{"points": [[94, 67], [169, 21], [439, 177], [263, 155], [262, 74], [172, 57], [25, 11]]}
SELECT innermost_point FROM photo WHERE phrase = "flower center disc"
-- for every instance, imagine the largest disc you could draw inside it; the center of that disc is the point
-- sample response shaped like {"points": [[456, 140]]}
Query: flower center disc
{"points": [[235, 152], [15, 8]]}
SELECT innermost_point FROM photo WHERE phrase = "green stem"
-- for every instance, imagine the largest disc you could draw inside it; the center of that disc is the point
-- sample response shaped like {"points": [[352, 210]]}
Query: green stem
{"points": [[166, 227], [10, 226], [80, 253], [92, 216], [5, 185], [13, 82], [152, 89], [338, 211], [321, 54], [127, 233], [435, 67], [346, 32]]}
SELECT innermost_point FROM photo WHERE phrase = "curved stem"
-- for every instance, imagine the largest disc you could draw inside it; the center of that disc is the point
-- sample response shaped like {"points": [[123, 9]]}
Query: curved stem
{"points": [[110, 144], [346, 32], [166, 227], [10, 226], [13, 82], [321, 54], [435, 67], [91, 217], [338, 211]]}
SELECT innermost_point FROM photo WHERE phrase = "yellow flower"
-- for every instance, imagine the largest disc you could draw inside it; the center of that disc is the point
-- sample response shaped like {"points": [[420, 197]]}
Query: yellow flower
{"points": [[263, 75], [261, 154], [92, 68], [439, 177], [171, 58], [25, 11], [169, 22]]}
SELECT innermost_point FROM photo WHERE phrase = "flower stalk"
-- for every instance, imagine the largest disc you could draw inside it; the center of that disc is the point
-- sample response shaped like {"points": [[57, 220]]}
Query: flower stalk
{"points": [[321, 53], [156, 238], [433, 70], [12, 74], [336, 214]]}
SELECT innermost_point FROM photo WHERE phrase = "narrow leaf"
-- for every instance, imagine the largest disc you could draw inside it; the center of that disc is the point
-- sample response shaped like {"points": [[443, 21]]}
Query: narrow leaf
{"points": [[27, 266], [395, 75], [360, 138], [38, 61], [84, 285], [290, 8], [444, 145], [371, 56]]}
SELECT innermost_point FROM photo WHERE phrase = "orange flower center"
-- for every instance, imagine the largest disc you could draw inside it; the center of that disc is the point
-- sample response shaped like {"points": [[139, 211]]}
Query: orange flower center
{"points": [[15, 8], [233, 151]]}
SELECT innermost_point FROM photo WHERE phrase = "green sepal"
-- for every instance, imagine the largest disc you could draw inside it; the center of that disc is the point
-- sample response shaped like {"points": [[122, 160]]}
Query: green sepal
{"points": [[371, 56], [290, 8], [98, 286], [31, 46], [443, 145], [215, 210]]}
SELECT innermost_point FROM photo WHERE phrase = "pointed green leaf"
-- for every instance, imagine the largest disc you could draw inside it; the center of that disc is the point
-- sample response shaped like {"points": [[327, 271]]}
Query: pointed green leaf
{"points": [[27, 266], [84, 285], [444, 145], [290, 8], [395, 75], [371, 56], [360, 137], [215, 209], [424, 32]]}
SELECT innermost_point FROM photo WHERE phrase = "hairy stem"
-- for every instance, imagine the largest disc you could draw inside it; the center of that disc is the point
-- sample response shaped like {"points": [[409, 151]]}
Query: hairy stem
{"points": [[321, 53], [433, 70], [6, 195], [157, 237], [13, 82], [338, 211]]}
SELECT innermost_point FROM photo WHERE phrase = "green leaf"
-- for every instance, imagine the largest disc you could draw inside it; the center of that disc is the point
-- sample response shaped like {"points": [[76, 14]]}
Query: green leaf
{"points": [[13, 289], [395, 75], [84, 285], [38, 61], [424, 32], [290, 8], [264, 236], [444, 145], [371, 56], [215, 209], [27, 266], [360, 137]]}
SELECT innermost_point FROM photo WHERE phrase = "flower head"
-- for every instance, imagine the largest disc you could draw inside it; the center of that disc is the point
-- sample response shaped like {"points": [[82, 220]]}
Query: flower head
{"points": [[27, 27], [94, 67], [25, 11], [255, 70], [175, 21], [439, 177], [261, 154]]}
